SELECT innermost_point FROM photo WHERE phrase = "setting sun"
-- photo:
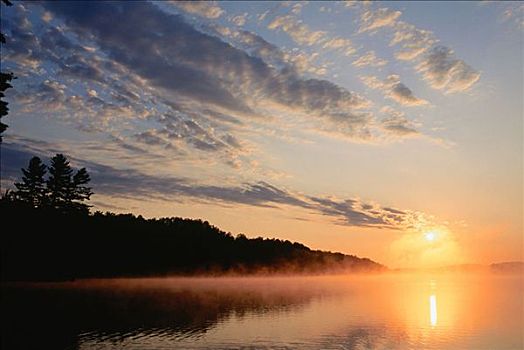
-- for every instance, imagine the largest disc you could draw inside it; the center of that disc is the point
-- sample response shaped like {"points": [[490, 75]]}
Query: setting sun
{"points": [[430, 236]]}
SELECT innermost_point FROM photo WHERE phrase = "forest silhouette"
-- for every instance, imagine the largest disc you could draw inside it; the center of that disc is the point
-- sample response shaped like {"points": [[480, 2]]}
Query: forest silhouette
{"points": [[49, 233]]}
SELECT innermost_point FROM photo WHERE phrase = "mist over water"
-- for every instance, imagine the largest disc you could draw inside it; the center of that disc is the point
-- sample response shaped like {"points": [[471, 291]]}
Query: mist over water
{"points": [[381, 311]]}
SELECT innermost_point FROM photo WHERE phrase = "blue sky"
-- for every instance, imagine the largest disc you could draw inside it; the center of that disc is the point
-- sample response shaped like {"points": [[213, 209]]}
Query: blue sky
{"points": [[352, 126]]}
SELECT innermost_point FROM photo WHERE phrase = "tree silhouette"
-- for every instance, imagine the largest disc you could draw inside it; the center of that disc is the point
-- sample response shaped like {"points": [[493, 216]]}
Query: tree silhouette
{"points": [[5, 79], [60, 183], [32, 188], [5, 83], [117, 245], [80, 191], [114, 245], [67, 191]]}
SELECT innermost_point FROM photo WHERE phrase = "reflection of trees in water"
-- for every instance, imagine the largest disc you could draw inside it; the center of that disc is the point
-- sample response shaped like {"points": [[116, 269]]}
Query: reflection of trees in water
{"points": [[62, 317]]}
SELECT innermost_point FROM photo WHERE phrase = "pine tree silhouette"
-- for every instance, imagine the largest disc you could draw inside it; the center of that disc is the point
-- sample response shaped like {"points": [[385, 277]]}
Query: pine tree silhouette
{"points": [[32, 188], [5, 79], [80, 191], [60, 183]]}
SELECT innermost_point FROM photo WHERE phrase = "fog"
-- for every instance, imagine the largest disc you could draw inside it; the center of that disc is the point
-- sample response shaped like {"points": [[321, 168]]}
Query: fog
{"points": [[438, 309]]}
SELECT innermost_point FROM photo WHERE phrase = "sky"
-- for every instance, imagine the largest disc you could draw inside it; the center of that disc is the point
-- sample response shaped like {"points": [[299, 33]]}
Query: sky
{"points": [[389, 130]]}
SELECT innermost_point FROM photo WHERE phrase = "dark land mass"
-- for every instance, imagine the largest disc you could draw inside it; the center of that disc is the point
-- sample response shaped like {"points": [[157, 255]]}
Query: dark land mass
{"points": [[508, 267], [47, 244]]}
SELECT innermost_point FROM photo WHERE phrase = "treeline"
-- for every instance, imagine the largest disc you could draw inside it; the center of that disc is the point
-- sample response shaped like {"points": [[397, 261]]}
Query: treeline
{"points": [[63, 190], [46, 242]]}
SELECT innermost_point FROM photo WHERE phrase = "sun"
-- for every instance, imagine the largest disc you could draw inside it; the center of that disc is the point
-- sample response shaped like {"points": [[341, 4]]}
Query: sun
{"points": [[430, 236]]}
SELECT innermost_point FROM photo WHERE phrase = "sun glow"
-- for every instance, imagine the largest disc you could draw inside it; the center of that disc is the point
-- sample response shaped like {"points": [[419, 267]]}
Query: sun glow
{"points": [[430, 236], [427, 247]]}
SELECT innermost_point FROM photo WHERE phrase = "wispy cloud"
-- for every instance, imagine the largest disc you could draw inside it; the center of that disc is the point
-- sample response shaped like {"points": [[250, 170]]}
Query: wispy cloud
{"points": [[131, 183], [272, 55], [372, 20], [238, 82], [369, 59], [207, 9], [239, 20], [171, 98], [394, 89], [341, 44], [412, 40], [396, 124], [297, 30], [514, 13], [443, 71], [437, 64], [235, 87], [354, 212]]}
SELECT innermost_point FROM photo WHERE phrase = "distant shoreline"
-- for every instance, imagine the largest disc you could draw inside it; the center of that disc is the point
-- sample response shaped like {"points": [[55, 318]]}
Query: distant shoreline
{"points": [[44, 244]]}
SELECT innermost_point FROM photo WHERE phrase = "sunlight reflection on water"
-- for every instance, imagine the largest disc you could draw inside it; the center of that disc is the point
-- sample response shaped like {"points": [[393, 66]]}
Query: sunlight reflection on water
{"points": [[344, 312], [433, 304], [433, 310]]}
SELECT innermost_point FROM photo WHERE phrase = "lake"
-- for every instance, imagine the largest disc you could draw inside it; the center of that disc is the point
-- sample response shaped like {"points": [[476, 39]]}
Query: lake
{"points": [[389, 311]]}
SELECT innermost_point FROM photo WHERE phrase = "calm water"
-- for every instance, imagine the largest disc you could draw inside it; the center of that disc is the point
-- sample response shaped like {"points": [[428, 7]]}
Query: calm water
{"points": [[372, 312]]}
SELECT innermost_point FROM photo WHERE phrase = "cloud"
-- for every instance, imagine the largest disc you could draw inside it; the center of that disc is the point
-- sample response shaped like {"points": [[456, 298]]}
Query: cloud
{"points": [[236, 82], [340, 44], [443, 71], [151, 137], [86, 111], [514, 13], [207, 9], [262, 16], [239, 20], [297, 8], [372, 20], [396, 123], [369, 59], [394, 89], [438, 66], [47, 17], [269, 14], [413, 41], [348, 212], [355, 212], [141, 98], [175, 100], [177, 127], [131, 183], [51, 94], [298, 31], [273, 56], [251, 43], [305, 63], [351, 3]]}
